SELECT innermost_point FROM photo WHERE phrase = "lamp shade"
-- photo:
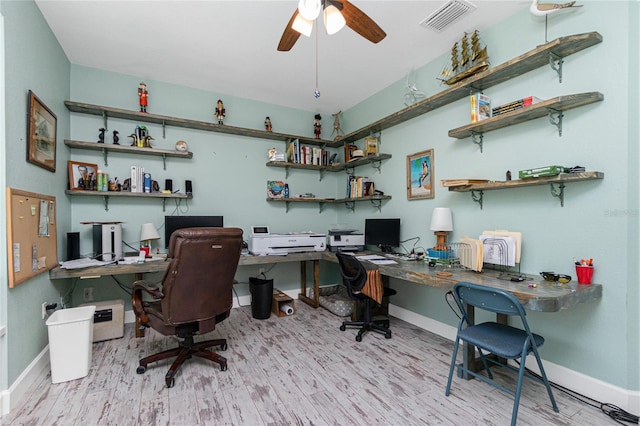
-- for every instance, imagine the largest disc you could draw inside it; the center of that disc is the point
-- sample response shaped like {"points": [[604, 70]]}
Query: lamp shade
{"points": [[302, 25], [148, 232], [309, 9], [441, 219], [333, 19]]}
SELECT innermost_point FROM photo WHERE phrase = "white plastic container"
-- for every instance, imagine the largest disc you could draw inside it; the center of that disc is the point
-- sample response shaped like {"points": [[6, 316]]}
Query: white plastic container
{"points": [[70, 343]]}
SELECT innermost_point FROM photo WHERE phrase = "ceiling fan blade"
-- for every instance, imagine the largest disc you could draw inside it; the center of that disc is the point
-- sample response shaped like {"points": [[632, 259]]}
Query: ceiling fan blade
{"points": [[290, 36], [359, 22]]}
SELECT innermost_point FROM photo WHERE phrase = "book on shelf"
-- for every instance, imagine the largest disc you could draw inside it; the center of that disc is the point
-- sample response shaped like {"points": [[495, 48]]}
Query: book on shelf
{"points": [[460, 182], [348, 151], [371, 145], [359, 186], [515, 105], [137, 179], [480, 107], [275, 188], [147, 183]]}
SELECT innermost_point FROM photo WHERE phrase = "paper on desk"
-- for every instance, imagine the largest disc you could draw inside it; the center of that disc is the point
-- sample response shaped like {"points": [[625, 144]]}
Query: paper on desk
{"points": [[517, 236], [471, 254], [499, 250], [376, 260]]}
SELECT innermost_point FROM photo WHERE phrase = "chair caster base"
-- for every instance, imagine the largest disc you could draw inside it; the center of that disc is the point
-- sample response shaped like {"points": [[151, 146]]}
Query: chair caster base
{"points": [[141, 369]]}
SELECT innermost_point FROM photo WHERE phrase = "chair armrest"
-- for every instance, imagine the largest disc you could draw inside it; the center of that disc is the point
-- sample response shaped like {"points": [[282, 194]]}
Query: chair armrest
{"points": [[136, 297]]}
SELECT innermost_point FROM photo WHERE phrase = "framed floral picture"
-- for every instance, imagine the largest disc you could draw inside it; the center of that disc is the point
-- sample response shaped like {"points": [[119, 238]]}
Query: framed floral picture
{"points": [[41, 138], [420, 175]]}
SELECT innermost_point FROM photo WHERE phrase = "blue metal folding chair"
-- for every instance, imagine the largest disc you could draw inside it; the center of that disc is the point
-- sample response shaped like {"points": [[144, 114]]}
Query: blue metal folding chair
{"points": [[502, 340]]}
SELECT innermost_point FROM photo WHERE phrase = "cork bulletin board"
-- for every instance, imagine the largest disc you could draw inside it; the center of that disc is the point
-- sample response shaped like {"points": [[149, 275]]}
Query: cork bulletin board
{"points": [[31, 235]]}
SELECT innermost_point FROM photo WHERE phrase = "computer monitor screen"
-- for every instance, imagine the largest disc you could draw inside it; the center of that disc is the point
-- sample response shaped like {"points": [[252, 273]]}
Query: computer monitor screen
{"points": [[172, 223], [384, 233]]}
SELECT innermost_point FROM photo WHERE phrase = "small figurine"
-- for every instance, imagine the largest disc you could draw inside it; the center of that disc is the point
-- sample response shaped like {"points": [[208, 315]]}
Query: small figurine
{"points": [[508, 175], [317, 126], [116, 138], [143, 94], [336, 125], [267, 124], [135, 139], [146, 142], [220, 112], [101, 135]]}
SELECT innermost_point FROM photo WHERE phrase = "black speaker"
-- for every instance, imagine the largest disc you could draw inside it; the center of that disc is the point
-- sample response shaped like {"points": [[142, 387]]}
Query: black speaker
{"points": [[168, 185], [188, 188], [73, 245]]}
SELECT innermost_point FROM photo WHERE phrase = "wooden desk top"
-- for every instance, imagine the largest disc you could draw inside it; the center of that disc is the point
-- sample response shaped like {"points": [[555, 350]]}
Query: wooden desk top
{"points": [[546, 297]]}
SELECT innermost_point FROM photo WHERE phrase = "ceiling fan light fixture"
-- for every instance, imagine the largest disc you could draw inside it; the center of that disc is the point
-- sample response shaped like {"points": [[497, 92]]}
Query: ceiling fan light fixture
{"points": [[309, 9], [302, 25], [333, 19]]}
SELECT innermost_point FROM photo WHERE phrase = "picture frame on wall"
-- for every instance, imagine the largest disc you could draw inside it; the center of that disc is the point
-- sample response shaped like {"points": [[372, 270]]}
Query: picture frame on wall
{"points": [[41, 134], [420, 175], [81, 175]]}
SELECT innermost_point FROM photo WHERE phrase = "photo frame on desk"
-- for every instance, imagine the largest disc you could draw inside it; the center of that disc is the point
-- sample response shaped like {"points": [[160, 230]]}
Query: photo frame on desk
{"points": [[81, 175], [420, 174], [41, 137]]}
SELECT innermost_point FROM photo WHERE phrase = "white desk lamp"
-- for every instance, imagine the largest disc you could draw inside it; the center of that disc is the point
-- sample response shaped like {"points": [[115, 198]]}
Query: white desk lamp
{"points": [[148, 232], [441, 222]]}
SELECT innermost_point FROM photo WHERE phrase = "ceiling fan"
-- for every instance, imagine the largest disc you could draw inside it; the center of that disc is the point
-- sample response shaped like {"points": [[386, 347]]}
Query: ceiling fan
{"points": [[336, 13]]}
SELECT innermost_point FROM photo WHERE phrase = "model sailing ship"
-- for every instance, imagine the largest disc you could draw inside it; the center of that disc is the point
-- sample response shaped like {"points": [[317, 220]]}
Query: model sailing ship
{"points": [[467, 59]]}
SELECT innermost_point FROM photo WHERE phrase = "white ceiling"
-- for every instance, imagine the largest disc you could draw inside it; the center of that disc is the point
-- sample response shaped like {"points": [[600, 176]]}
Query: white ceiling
{"points": [[229, 47]]}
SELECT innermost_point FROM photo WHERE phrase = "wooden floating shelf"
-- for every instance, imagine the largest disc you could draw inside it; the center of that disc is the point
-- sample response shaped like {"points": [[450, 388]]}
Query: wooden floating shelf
{"points": [[337, 167], [165, 120], [561, 178], [541, 109], [127, 149], [536, 58], [376, 200], [106, 195]]}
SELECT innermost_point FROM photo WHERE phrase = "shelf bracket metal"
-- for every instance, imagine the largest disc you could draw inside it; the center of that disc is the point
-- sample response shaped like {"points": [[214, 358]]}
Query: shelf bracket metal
{"points": [[104, 156], [476, 137], [555, 62], [164, 161], [320, 206], [377, 203], [286, 172], [321, 174], [558, 192], [163, 130], [351, 205], [377, 164], [557, 120], [106, 202], [104, 118], [350, 170], [286, 203], [477, 196]]}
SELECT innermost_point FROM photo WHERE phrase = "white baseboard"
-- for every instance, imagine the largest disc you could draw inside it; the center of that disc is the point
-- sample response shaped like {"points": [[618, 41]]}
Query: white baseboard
{"points": [[593, 388], [12, 396]]}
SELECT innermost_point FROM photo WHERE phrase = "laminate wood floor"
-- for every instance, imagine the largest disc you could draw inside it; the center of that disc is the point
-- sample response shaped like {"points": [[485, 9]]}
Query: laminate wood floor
{"points": [[297, 370]]}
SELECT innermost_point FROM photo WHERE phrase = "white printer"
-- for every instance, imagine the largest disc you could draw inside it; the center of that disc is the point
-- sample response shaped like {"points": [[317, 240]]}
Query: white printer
{"points": [[262, 242], [345, 240]]}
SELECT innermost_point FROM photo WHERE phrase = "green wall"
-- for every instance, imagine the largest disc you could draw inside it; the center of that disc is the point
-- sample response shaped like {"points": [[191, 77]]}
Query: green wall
{"points": [[599, 219]]}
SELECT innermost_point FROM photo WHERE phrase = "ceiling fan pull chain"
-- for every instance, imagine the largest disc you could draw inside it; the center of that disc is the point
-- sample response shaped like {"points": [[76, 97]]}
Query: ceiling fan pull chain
{"points": [[316, 92]]}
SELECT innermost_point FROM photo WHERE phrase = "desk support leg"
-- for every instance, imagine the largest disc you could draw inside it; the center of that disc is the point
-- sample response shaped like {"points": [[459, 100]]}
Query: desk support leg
{"points": [[315, 301], [139, 328]]}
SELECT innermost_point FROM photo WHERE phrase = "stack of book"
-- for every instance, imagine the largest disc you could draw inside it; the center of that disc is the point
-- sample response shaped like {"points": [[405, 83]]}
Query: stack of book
{"points": [[302, 154], [348, 151], [359, 186], [512, 106], [140, 181]]}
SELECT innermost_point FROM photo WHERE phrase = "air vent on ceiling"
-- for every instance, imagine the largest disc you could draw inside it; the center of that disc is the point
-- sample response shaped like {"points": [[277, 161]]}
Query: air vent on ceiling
{"points": [[447, 15]]}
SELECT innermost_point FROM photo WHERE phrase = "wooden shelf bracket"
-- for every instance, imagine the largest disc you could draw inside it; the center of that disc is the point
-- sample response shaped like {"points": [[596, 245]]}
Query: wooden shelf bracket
{"points": [[559, 192], [555, 118], [477, 196], [555, 62], [476, 137]]}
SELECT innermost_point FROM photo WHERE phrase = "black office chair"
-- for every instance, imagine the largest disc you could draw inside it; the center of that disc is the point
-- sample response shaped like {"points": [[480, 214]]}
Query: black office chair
{"points": [[354, 277], [504, 341]]}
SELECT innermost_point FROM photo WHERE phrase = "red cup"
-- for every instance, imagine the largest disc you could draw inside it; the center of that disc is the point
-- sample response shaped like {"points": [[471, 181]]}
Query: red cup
{"points": [[584, 273], [145, 250]]}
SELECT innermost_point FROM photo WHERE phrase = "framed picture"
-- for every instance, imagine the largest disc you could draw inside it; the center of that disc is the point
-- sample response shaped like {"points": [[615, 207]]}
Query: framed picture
{"points": [[42, 127], [82, 175], [420, 175]]}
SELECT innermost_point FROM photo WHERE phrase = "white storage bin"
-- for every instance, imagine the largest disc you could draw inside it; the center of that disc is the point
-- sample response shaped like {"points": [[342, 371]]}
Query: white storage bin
{"points": [[70, 343]]}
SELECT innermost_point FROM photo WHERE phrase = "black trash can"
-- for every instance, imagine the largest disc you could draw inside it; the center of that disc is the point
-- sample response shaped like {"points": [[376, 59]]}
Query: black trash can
{"points": [[261, 294]]}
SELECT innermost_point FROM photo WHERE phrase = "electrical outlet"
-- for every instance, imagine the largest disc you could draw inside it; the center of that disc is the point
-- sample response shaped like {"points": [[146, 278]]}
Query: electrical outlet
{"points": [[44, 310], [261, 271], [88, 294]]}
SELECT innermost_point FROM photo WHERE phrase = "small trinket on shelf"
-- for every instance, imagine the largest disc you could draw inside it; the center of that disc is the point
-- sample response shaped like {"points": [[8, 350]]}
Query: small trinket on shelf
{"points": [[317, 126], [143, 95], [220, 112], [116, 138], [101, 135], [267, 124]]}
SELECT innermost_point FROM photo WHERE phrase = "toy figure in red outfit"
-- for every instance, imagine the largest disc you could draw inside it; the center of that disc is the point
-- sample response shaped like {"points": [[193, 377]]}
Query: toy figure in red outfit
{"points": [[143, 94], [220, 112], [267, 124], [317, 126]]}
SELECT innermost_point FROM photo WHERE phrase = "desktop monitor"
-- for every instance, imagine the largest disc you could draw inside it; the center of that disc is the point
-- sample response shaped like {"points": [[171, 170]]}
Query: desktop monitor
{"points": [[173, 223], [384, 233]]}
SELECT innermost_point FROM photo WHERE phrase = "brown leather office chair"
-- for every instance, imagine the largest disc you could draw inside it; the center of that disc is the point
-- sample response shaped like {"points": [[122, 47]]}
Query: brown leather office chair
{"points": [[196, 294]]}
